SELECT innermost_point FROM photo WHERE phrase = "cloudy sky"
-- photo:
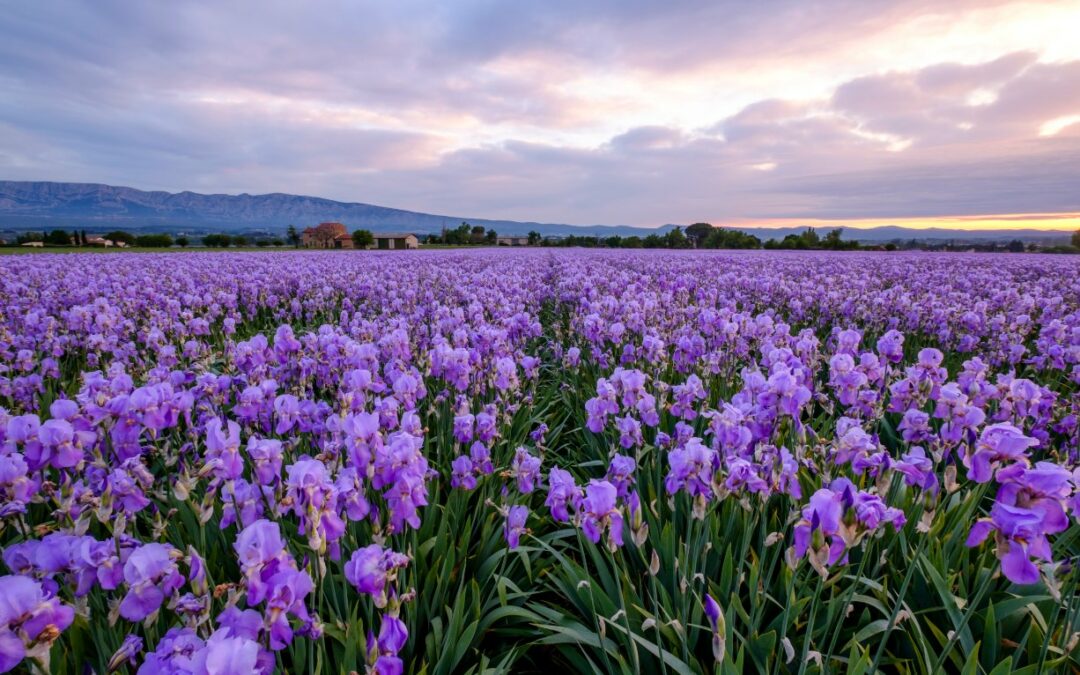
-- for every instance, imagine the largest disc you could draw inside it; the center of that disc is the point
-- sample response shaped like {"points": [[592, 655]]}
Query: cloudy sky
{"points": [[859, 112]]}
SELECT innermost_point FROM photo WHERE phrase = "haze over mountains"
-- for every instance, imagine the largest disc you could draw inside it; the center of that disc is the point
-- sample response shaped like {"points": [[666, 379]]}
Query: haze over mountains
{"points": [[28, 205]]}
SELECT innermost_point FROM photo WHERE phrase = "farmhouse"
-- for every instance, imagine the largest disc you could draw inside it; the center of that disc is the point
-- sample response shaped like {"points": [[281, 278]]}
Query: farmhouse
{"points": [[395, 240], [326, 235], [512, 241]]}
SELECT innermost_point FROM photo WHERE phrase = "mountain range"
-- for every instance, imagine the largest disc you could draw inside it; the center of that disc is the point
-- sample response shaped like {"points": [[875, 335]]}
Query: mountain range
{"points": [[26, 205]]}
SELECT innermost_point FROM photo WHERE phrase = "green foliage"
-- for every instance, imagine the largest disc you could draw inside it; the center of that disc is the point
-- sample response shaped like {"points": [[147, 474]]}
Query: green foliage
{"points": [[154, 240], [217, 240], [363, 238], [917, 601], [58, 238], [27, 237], [119, 236], [698, 233]]}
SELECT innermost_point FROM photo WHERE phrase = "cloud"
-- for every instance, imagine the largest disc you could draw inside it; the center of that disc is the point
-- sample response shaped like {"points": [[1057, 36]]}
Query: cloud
{"points": [[615, 111]]}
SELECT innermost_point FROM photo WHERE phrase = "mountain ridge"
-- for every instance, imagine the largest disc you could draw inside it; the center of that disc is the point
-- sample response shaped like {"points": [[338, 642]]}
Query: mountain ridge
{"points": [[98, 206]]}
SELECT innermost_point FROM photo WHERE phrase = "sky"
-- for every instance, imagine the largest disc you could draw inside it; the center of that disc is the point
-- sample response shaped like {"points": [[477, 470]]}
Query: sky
{"points": [[922, 113]]}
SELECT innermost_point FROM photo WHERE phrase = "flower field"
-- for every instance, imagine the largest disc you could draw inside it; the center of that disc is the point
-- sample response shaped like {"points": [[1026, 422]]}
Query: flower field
{"points": [[511, 461]]}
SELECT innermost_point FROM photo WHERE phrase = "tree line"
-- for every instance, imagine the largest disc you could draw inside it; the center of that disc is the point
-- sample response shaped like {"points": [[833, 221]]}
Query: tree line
{"points": [[705, 235], [465, 235]]}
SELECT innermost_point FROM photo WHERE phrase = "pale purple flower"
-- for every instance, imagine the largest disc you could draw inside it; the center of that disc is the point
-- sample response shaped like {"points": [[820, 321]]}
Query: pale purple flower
{"points": [[152, 576], [28, 616], [525, 469], [691, 469], [998, 444], [600, 513], [515, 525], [462, 475], [562, 492]]}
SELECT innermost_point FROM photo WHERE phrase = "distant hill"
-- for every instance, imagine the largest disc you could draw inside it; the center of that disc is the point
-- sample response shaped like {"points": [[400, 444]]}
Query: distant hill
{"points": [[46, 205]]}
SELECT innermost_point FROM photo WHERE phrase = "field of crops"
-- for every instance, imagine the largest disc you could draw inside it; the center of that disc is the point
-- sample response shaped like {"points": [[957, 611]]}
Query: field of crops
{"points": [[512, 461]]}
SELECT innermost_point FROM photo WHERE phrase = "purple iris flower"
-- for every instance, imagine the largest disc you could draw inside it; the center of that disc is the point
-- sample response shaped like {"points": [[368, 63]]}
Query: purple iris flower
{"points": [[463, 428], [599, 512], [286, 413], [620, 473], [562, 492], [371, 568], [226, 655], [629, 432], [130, 648], [915, 426], [151, 575], [515, 525], [1020, 536], [481, 458], [891, 346], [918, 469], [29, 617], [223, 449], [998, 444], [691, 469], [526, 470], [462, 475], [539, 433]]}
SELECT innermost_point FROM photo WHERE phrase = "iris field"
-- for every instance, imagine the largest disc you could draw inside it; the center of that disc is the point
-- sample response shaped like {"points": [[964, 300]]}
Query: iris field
{"points": [[518, 460]]}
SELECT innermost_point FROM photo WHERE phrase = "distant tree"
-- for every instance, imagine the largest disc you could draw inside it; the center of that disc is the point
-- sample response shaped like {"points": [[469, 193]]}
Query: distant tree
{"points": [[217, 240], [722, 237], [1016, 246], [278, 242], [82, 238], [492, 237], [653, 241], [182, 241], [890, 246], [614, 241], [362, 238], [154, 240], [698, 232], [121, 237], [632, 241], [58, 238], [1076, 239], [460, 235], [676, 239], [832, 240], [534, 237], [27, 237], [239, 240], [293, 236]]}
